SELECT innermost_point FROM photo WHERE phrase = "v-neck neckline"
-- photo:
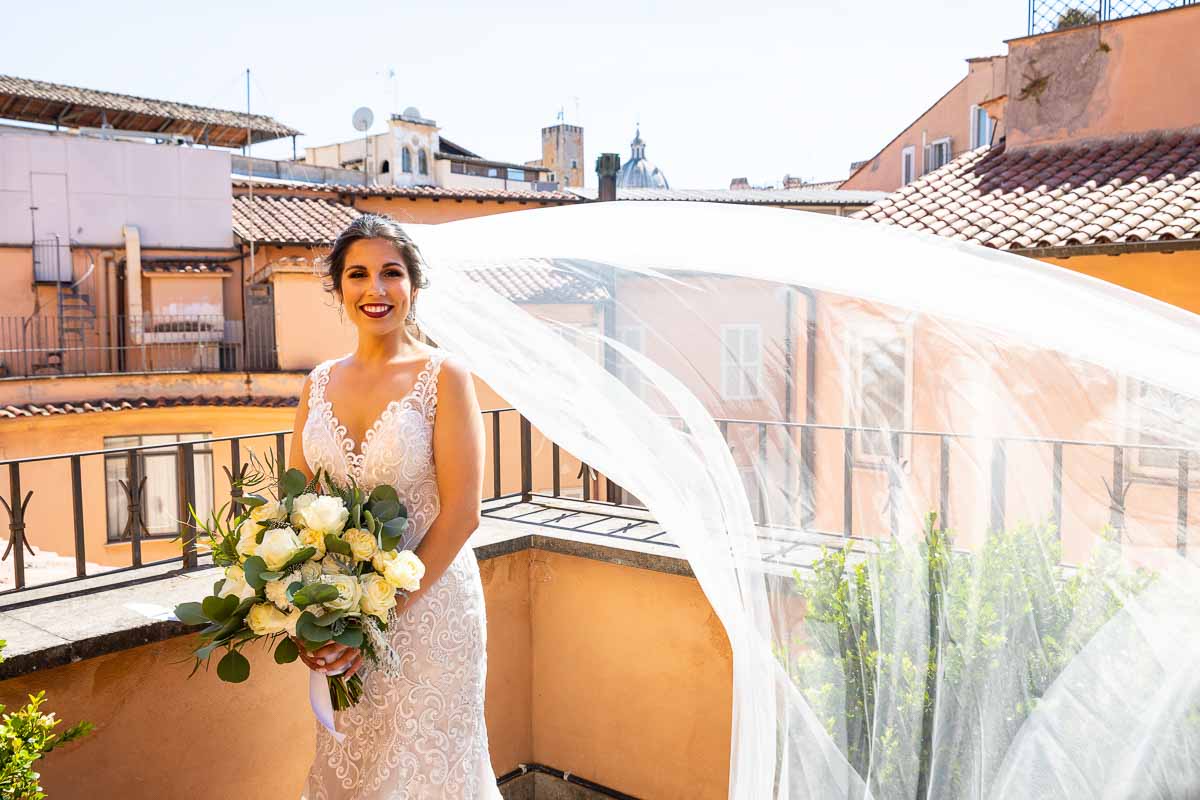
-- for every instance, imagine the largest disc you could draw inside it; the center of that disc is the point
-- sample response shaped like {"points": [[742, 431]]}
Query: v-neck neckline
{"points": [[358, 449]]}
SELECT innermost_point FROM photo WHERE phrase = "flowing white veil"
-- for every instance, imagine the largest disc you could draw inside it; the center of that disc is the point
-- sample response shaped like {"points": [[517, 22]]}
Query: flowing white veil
{"points": [[939, 496]]}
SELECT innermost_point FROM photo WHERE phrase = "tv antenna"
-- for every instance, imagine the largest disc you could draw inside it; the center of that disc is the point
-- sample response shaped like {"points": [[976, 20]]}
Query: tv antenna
{"points": [[363, 119]]}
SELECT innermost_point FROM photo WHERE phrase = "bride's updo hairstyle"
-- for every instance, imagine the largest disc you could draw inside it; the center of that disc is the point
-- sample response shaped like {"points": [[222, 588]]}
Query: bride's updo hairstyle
{"points": [[372, 226]]}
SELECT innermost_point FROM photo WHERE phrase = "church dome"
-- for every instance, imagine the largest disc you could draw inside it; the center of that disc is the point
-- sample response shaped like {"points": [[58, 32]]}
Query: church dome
{"points": [[638, 173]]}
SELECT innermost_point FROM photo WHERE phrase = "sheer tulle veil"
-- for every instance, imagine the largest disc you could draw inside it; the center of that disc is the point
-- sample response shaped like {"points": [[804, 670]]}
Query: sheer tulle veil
{"points": [[940, 497]]}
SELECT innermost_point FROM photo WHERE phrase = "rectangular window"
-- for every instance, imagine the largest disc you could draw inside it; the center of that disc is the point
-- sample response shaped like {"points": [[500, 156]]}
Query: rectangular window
{"points": [[908, 169], [882, 399], [633, 337], [937, 154], [741, 362], [516, 174], [981, 128], [1164, 418], [160, 493]]}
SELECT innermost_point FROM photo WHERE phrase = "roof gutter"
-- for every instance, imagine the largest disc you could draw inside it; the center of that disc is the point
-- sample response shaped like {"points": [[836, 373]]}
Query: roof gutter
{"points": [[1108, 248]]}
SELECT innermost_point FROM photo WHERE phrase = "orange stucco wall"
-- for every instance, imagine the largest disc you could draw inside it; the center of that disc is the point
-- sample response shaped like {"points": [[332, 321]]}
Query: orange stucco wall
{"points": [[949, 116], [1171, 277], [1105, 80], [580, 677]]}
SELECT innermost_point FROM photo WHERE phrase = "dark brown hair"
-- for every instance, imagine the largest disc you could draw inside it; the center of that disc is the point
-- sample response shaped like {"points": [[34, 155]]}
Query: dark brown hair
{"points": [[373, 226]]}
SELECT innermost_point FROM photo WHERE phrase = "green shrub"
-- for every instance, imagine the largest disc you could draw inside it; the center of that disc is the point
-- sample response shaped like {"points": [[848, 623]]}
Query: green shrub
{"points": [[902, 642], [25, 736]]}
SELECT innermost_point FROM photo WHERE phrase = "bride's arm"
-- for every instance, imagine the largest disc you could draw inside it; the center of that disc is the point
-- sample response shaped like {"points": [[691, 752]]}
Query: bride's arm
{"points": [[296, 454], [458, 445]]}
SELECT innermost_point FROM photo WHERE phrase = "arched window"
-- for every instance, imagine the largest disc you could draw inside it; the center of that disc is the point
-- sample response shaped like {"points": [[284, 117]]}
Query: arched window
{"points": [[422, 162], [405, 160], [385, 167]]}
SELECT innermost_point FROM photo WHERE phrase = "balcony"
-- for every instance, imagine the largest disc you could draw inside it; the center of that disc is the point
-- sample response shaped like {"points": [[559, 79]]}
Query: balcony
{"points": [[1046, 16], [606, 662], [82, 343]]}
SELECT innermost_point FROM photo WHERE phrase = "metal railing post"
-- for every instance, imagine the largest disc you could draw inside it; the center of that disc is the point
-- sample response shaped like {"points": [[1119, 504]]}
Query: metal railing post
{"points": [[16, 506], [1056, 489], [1181, 503], [526, 460], [999, 476], [187, 501], [497, 485], [77, 515], [848, 482]]}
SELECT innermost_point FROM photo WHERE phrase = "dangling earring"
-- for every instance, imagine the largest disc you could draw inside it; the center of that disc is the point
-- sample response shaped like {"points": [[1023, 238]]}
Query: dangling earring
{"points": [[412, 315]]}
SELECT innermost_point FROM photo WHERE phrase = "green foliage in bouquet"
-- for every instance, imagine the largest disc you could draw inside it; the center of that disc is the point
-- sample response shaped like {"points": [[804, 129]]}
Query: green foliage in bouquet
{"points": [[904, 637], [26, 735], [302, 570]]}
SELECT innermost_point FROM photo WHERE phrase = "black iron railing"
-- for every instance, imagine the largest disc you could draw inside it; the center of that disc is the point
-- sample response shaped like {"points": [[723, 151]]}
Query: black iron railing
{"points": [[84, 343], [820, 478], [1056, 15]]}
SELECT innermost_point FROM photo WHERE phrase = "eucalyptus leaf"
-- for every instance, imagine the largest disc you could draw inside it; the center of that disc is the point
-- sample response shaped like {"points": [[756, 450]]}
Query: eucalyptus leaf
{"points": [[286, 651], [308, 630], [351, 637], [218, 585], [218, 609], [254, 568], [325, 620], [335, 544], [270, 576], [292, 588], [386, 510], [206, 651], [315, 593], [251, 500], [370, 520], [299, 557], [234, 667], [293, 482], [384, 492], [191, 613]]}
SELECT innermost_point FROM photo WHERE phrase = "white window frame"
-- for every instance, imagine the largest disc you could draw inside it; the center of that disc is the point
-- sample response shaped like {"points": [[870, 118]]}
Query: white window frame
{"points": [[113, 493], [908, 165], [1135, 467], [861, 335], [752, 369], [977, 140], [929, 148]]}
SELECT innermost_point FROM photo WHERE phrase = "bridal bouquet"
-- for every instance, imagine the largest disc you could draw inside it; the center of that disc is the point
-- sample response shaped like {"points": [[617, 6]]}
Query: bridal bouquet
{"points": [[303, 570]]}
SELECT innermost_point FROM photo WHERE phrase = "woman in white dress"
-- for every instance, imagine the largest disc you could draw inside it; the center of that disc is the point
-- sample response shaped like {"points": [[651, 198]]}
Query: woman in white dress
{"points": [[387, 414]]}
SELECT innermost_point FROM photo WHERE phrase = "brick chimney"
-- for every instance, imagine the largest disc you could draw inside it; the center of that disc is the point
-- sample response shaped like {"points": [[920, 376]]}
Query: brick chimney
{"points": [[607, 167]]}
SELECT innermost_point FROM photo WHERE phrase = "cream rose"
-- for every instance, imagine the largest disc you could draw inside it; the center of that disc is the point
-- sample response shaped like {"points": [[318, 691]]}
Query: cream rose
{"points": [[265, 619], [299, 503], [326, 514], [378, 596], [247, 544], [270, 511], [403, 569], [235, 583], [311, 538], [362, 543], [349, 592], [278, 545], [330, 566]]}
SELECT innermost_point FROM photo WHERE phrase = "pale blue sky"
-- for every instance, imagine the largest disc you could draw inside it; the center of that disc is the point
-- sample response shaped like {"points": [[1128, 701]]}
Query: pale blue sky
{"points": [[749, 88]]}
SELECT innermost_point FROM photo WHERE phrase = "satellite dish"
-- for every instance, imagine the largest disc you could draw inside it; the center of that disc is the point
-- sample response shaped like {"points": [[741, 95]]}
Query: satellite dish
{"points": [[363, 118]]}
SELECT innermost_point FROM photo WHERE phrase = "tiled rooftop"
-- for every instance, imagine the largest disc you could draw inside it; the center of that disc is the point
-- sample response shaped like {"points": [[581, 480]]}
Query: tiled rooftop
{"points": [[93, 406], [542, 284], [435, 192], [186, 268], [806, 196], [280, 219], [1113, 192]]}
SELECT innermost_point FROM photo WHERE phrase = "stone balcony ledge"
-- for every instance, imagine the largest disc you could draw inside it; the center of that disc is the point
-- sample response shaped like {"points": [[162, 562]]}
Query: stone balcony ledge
{"points": [[59, 625]]}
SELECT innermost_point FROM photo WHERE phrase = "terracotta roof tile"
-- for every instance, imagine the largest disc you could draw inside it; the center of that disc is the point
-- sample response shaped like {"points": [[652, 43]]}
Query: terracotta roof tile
{"points": [[95, 406], [539, 283], [279, 219], [185, 268], [436, 192], [1121, 191]]}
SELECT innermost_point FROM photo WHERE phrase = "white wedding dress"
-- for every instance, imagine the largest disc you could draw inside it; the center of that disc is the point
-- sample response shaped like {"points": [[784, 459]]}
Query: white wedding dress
{"points": [[421, 735]]}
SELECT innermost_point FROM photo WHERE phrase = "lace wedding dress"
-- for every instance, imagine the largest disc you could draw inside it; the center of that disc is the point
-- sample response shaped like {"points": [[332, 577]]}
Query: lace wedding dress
{"points": [[421, 735]]}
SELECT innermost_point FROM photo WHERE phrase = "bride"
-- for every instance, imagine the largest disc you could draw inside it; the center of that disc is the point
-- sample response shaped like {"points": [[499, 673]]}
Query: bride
{"points": [[398, 412]]}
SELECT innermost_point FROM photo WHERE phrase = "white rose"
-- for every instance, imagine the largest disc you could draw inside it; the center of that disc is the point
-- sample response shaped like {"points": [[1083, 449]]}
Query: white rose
{"points": [[310, 572], [265, 619], [300, 503], [278, 545], [362, 543], [403, 570], [326, 514], [311, 538], [235, 583], [276, 591], [269, 511], [349, 592], [378, 596]]}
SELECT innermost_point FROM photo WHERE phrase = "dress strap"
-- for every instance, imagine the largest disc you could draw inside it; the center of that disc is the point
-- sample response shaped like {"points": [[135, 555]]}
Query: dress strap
{"points": [[318, 378], [426, 390]]}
